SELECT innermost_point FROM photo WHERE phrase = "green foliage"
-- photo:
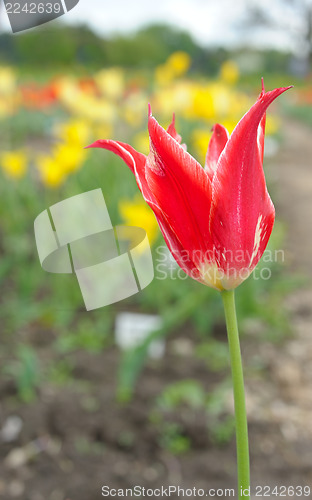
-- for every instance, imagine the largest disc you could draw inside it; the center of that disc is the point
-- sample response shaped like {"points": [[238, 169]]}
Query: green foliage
{"points": [[149, 46], [25, 371], [172, 438], [188, 392], [214, 353], [169, 406], [61, 45], [60, 372], [222, 432], [87, 335], [86, 447], [301, 112]]}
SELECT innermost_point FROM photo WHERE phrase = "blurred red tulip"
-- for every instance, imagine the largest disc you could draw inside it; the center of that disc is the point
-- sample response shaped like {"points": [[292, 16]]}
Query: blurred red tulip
{"points": [[39, 97], [88, 86]]}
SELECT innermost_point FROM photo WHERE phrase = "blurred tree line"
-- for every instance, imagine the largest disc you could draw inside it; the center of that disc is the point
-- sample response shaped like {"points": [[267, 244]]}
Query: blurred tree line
{"points": [[293, 18], [61, 45]]}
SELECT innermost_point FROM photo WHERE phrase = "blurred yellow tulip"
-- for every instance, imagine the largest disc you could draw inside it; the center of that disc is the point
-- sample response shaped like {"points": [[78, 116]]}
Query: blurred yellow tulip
{"points": [[52, 173], [14, 163], [176, 66], [111, 82], [199, 141], [7, 80], [229, 72], [179, 62], [136, 213], [75, 131]]}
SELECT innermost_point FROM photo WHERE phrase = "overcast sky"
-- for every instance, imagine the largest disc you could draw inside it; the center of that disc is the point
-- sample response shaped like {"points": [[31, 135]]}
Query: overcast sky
{"points": [[211, 22]]}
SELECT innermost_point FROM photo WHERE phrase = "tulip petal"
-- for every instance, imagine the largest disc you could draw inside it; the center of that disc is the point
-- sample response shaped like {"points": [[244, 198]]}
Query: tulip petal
{"points": [[180, 254], [136, 162], [172, 131], [260, 137], [242, 213], [130, 156], [216, 145], [261, 127], [182, 189]]}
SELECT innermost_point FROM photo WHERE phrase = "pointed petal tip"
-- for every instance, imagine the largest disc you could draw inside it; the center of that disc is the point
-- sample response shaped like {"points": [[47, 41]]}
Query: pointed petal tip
{"points": [[149, 110], [93, 145], [283, 89], [216, 145], [218, 129], [103, 144], [269, 96], [280, 90], [277, 91]]}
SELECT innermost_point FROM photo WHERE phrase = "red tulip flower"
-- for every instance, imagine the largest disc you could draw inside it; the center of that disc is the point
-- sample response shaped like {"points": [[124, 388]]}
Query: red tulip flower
{"points": [[216, 220]]}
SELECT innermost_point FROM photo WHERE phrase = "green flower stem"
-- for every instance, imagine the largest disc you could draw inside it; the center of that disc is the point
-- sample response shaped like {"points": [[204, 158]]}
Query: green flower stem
{"points": [[243, 476]]}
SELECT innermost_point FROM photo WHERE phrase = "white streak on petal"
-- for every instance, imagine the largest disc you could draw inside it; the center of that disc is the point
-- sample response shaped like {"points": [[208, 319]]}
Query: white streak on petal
{"points": [[257, 240]]}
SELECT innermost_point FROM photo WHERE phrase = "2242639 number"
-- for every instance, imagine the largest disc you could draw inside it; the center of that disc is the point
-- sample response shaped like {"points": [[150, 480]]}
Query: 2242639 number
{"points": [[33, 8], [283, 491]]}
